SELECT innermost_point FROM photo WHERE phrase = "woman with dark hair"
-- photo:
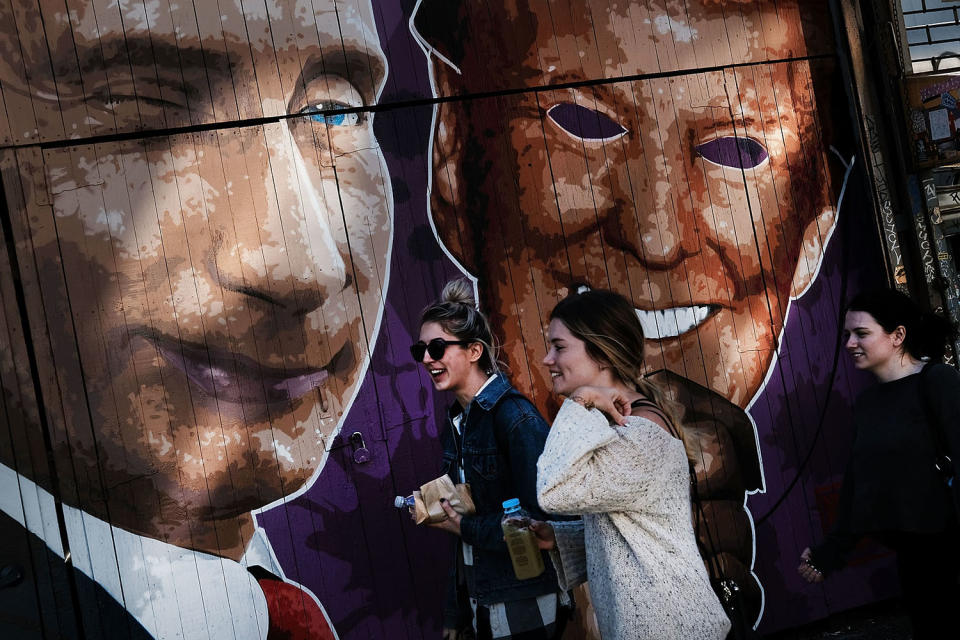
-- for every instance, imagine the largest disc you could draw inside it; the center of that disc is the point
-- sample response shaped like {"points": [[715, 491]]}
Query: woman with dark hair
{"points": [[615, 456], [491, 440], [895, 485]]}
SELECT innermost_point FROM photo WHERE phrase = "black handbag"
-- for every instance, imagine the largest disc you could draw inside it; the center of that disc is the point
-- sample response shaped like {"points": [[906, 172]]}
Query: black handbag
{"points": [[726, 588], [943, 463]]}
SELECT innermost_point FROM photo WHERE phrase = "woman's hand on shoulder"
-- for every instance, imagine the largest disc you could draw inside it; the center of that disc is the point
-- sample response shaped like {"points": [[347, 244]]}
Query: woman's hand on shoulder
{"points": [[612, 402]]}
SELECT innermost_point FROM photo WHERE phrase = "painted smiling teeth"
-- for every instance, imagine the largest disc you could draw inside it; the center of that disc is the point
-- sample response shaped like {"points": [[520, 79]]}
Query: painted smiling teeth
{"points": [[670, 323]]}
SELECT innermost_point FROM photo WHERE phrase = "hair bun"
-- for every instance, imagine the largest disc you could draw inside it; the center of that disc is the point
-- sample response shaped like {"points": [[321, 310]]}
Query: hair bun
{"points": [[458, 292], [458, 315], [935, 331]]}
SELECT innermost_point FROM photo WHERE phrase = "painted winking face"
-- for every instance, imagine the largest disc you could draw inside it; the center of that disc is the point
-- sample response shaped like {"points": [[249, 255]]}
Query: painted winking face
{"points": [[223, 286]]}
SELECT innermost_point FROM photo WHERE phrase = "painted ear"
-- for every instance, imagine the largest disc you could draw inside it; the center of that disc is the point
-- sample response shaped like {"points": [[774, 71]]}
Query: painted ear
{"points": [[815, 239], [442, 28], [454, 228]]}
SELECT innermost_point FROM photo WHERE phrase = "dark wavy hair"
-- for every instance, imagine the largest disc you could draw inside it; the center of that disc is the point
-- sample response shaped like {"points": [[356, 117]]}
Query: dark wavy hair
{"points": [[926, 334]]}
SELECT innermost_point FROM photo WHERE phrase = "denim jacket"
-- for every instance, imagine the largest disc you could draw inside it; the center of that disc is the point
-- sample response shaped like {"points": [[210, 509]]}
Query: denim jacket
{"points": [[503, 436]]}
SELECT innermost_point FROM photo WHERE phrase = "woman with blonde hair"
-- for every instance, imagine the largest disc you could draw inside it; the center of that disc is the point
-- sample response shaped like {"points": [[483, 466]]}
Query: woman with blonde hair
{"points": [[616, 457], [491, 440]]}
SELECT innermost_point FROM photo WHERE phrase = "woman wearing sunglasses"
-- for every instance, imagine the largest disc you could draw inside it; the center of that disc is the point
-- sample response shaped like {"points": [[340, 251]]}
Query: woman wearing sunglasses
{"points": [[616, 457], [492, 439]]}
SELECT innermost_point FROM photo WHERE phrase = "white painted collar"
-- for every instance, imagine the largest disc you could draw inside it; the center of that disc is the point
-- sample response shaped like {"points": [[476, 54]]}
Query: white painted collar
{"points": [[172, 592]]}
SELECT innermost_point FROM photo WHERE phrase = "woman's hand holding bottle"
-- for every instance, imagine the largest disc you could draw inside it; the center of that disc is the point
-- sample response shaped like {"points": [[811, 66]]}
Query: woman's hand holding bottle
{"points": [[543, 532]]}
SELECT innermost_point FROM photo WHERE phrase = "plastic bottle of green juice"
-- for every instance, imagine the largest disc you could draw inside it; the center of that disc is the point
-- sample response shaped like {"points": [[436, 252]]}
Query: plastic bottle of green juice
{"points": [[526, 557]]}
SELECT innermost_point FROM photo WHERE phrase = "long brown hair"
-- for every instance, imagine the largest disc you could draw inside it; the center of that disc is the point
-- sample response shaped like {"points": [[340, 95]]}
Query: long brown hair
{"points": [[608, 325]]}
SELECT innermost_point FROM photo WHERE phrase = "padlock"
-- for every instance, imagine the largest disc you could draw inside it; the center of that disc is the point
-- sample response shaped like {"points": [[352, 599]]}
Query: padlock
{"points": [[361, 454]]}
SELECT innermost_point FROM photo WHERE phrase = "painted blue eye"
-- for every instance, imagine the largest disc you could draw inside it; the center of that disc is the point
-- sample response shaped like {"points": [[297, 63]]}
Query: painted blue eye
{"points": [[584, 123], [733, 151], [332, 119]]}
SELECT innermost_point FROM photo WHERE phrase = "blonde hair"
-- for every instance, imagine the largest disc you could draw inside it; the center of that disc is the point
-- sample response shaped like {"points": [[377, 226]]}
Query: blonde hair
{"points": [[608, 325], [456, 311]]}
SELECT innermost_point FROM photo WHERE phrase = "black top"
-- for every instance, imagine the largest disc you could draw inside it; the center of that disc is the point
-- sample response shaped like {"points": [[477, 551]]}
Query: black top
{"points": [[890, 484], [43, 604]]}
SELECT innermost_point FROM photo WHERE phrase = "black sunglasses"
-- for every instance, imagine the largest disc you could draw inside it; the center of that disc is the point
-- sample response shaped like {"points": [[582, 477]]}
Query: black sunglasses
{"points": [[435, 348]]}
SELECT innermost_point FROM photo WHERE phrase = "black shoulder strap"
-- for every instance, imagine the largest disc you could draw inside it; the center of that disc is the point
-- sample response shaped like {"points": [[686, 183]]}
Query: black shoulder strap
{"points": [[646, 403], [936, 429], [713, 563]]}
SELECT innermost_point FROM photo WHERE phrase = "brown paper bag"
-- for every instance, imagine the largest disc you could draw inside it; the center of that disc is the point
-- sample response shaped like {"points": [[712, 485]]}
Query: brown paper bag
{"points": [[427, 508]]}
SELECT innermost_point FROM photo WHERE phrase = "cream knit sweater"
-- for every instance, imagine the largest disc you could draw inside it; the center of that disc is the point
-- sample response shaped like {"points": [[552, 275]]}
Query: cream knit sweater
{"points": [[631, 485]]}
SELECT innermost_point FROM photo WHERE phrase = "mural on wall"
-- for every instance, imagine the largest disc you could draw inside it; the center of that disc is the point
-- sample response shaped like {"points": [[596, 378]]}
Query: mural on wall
{"points": [[706, 197], [203, 296], [208, 400]]}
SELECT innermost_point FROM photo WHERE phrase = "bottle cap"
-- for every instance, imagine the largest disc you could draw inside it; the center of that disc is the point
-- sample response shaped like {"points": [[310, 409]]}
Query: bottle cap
{"points": [[512, 503], [399, 502]]}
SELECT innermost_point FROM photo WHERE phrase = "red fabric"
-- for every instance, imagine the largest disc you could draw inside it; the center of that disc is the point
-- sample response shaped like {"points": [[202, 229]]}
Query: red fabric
{"points": [[294, 614]]}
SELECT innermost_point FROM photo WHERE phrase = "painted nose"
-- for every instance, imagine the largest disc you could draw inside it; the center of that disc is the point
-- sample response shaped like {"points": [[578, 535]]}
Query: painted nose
{"points": [[668, 194], [667, 220], [277, 243], [667, 235]]}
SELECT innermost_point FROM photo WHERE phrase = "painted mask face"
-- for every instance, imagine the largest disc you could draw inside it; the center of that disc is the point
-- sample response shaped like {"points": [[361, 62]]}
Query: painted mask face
{"points": [[701, 196], [672, 151], [567, 361], [209, 322]]}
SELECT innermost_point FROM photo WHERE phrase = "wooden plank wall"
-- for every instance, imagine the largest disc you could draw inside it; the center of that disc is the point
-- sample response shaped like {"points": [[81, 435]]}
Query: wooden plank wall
{"points": [[223, 218]]}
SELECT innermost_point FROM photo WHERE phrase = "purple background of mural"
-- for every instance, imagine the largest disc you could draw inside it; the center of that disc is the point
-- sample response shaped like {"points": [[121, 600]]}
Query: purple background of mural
{"points": [[379, 576]]}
